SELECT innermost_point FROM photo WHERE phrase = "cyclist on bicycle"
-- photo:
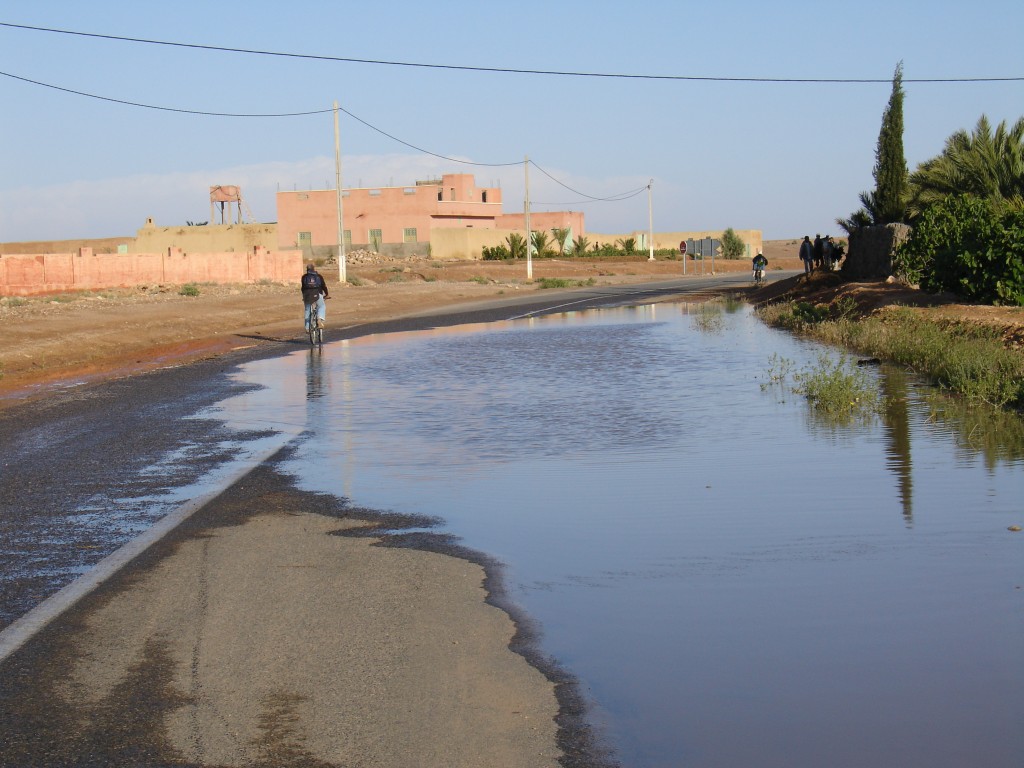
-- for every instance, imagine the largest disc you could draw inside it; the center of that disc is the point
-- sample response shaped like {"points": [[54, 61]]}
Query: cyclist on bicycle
{"points": [[760, 264], [314, 291]]}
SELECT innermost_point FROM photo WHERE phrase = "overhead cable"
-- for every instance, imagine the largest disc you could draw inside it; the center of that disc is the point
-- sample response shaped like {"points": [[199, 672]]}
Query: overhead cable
{"points": [[507, 70]]}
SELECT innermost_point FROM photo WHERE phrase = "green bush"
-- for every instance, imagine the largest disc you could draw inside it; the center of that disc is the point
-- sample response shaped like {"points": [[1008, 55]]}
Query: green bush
{"points": [[963, 245], [496, 253], [189, 289], [733, 246]]}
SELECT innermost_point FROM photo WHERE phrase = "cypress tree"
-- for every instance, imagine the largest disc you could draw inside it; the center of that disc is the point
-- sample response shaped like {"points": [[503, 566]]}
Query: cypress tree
{"points": [[890, 172]]}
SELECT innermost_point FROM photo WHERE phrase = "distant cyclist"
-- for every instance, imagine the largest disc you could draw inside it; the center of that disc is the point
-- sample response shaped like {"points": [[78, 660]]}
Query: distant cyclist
{"points": [[314, 291], [760, 264]]}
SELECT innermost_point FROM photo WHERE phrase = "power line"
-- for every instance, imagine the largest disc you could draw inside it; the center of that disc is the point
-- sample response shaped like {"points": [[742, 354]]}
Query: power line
{"points": [[613, 198], [420, 149], [155, 106], [507, 70]]}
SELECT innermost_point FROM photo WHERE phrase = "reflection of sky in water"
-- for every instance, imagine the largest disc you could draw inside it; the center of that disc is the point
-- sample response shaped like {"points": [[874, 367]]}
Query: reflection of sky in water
{"points": [[735, 581]]}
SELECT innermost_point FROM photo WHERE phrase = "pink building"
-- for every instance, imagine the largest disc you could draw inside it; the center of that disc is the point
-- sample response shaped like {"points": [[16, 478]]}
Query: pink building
{"points": [[395, 219], [385, 216]]}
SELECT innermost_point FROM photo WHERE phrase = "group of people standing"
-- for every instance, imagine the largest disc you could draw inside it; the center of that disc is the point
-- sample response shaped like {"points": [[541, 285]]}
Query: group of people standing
{"points": [[821, 254]]}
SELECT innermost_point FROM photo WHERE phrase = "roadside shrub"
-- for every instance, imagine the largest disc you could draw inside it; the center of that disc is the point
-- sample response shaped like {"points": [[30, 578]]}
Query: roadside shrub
{"points": [[563, 282], [961, 244], [189, 289], [496, 253]]}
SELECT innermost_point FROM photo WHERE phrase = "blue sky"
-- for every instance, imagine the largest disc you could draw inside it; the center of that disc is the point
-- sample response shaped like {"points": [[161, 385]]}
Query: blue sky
{"points": [[785, 158]]}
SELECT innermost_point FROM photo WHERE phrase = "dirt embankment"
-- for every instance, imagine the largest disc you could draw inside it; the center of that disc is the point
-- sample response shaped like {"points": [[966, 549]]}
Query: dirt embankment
{"points": [[877, 296]]}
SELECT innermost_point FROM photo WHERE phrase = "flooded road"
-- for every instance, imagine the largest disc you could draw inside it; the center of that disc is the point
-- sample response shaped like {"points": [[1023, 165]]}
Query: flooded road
{"points": [[734, 580]]}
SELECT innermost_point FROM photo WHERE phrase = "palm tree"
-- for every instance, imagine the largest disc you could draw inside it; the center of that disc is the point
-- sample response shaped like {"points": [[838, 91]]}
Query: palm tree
{"points": [[540, 243], [987, 164], [561, 235], [627, 244], [579, 248], [516, 245], [865, 216]]}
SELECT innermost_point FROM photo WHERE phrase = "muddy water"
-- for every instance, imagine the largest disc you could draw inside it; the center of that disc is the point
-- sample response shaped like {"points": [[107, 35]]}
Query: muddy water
{"points": [[735, 580]]}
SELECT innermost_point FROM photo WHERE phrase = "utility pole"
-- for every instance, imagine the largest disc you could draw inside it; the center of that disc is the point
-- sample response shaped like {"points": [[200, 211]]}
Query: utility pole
{"points": [[526, 212], [650, 222], [342, 271]]}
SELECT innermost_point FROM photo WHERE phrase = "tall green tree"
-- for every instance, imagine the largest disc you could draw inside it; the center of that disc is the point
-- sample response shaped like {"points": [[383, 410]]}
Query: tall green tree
{"points": [[890, 163], [985, 163], [733, 246], [887, 203]]}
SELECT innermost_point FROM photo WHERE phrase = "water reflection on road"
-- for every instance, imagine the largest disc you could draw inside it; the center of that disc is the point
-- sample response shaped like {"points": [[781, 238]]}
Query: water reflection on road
{"points": [[735, 580]]}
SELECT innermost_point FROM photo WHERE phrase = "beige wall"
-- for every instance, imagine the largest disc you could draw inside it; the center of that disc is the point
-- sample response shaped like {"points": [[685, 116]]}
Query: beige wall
{"points": [[209, 238], [463, 243]]}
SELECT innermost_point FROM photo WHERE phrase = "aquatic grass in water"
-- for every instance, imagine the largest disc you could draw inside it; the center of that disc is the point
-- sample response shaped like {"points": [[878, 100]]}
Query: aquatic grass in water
{"points": [[708, 318], [837, 387], [969, 360]]}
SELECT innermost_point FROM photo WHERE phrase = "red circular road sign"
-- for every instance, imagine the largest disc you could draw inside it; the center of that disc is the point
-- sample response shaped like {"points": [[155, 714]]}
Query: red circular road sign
{"points": [[682, 247]]}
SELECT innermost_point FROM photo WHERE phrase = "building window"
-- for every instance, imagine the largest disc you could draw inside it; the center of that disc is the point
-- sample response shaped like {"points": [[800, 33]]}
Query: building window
{"points": [[376, 238], [374, 193], [409, 191], [305, 239], [440, 195], [303, 196], [348, 238], [483, 196], [409, 235]]}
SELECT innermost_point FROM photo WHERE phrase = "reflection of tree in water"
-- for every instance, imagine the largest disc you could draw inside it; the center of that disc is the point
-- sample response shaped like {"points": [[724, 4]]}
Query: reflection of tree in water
{"points": [[976, 428], [896, 418]]}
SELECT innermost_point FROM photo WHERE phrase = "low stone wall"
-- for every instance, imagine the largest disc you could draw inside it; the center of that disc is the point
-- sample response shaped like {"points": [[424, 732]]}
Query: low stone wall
{"points": [[871, 249], [41, 274]]}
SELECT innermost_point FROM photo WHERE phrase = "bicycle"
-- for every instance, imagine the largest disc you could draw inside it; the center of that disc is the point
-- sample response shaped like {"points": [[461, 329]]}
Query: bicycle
{"points": [[316, 332], [758, 277], [316, 325]]}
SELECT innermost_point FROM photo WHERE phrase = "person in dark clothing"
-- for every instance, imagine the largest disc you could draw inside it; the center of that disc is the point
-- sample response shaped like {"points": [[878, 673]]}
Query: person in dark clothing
{"points": [[760, 264], [819, 254], [314, 291], [807, 254]]}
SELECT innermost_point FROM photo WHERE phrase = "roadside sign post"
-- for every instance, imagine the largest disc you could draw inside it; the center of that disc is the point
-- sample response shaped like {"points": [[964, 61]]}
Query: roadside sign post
{"points": [[682, 252]]}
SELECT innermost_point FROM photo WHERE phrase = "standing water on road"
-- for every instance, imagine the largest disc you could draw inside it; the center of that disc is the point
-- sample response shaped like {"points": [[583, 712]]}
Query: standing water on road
{"points": [[734, 580]]}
